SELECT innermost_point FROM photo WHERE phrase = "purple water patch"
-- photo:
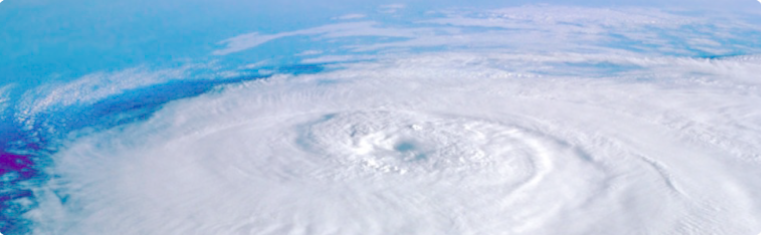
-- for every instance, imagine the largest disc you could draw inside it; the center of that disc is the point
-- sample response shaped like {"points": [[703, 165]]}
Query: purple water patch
{"points": [[16, 167], [39, 135]]}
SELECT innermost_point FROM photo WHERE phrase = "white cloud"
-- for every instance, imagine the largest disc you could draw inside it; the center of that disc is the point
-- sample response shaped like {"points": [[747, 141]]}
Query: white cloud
{"points": [[94, 87], [4, 93], [350, 17], [257, 64], [309, 52], [433, 143], [338, 58], [391, 8], [367, 28], [533, 26], [245, 41]]}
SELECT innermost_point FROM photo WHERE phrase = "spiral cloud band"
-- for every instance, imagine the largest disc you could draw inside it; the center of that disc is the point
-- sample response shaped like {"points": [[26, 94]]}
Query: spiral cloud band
{"points": [[396, 135], [432, 144]]}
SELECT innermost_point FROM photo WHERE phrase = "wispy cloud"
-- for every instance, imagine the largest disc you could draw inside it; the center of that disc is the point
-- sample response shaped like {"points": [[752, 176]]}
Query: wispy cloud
{"points": [[309, 52], [391, 8], [367, 28], [539, 27], [350, 17]]}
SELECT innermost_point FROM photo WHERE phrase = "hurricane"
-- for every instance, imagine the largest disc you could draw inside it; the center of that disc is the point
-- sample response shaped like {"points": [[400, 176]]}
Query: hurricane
{"points": [[381, 118]]}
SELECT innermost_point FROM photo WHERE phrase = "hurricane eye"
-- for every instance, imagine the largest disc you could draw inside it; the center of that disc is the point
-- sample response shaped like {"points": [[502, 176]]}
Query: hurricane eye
{"points": [[405, 146]]}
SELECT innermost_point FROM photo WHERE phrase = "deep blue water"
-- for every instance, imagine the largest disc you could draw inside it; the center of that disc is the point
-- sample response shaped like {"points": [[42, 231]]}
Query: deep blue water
{"points": [[26, 146]]}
